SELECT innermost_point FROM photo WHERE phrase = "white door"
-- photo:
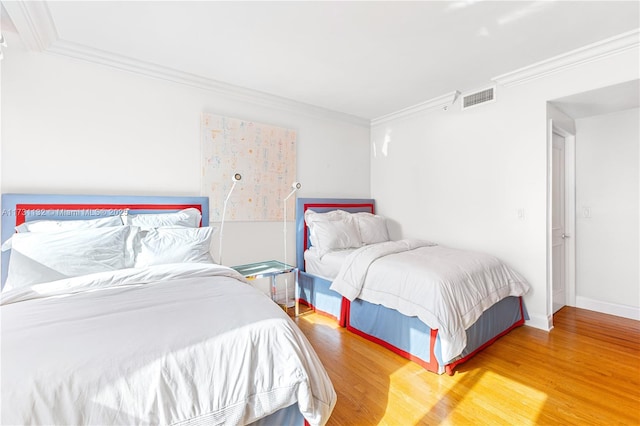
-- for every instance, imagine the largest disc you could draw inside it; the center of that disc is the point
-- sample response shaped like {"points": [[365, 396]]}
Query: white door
{"points": [[558, 235]]}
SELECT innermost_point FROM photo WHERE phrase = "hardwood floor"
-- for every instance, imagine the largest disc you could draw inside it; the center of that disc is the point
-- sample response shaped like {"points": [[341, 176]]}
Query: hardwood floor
{"points": [[586, 371]]}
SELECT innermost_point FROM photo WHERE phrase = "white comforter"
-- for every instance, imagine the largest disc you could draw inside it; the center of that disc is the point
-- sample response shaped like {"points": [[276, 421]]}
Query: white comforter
{"points": [[447, 289], [170, 344]]}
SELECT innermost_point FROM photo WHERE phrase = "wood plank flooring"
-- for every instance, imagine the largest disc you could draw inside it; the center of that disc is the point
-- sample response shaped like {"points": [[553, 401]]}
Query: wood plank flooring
{"points": [[586, 371]]}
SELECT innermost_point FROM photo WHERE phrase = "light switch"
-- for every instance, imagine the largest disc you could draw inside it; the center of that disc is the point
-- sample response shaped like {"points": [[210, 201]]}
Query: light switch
{"points": [[586, 212]]}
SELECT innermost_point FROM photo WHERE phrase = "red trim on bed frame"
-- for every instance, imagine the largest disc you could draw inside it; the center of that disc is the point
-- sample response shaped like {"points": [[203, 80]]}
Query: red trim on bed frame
{"points": [[21, 209], [345, 309], [449, 367], [433, 365], [429, 365]]}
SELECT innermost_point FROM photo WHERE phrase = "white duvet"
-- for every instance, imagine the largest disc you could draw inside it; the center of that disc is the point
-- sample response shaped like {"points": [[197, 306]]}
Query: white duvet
{"points": [[445, 288], [170, 344]]}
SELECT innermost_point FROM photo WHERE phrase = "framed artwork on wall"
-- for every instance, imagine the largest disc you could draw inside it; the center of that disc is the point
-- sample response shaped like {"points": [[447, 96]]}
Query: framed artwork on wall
{"points": [[265, 156]]}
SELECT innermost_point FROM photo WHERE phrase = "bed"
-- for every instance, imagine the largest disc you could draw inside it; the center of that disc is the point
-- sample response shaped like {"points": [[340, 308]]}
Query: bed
{"points": [[113, 312], [377, 289]]}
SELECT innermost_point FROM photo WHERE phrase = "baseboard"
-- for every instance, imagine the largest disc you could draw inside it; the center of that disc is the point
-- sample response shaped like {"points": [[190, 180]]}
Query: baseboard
{"points": [[631, 312], [540, 321]]}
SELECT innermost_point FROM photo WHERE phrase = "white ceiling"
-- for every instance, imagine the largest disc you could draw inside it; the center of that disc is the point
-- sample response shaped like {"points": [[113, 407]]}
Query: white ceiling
{"points": [[366, 59], [600, 101]]}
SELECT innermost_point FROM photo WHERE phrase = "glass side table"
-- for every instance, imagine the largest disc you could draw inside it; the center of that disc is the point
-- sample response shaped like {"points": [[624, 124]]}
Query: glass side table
{"points": [[270, 269]]}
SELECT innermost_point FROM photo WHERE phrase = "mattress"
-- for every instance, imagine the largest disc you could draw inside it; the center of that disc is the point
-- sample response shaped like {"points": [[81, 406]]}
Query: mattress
{"points": [[326, 266]]}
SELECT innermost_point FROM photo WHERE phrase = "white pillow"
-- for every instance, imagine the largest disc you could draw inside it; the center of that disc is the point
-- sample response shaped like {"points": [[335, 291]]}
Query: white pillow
{"points": [[175, 245], [188, 217], [333, 235], [67, 225], [312, 217], [38, 257], [373, 228]]}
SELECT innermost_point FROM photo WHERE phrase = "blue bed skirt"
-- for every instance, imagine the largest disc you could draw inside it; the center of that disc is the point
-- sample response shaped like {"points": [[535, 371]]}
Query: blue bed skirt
{"points": [[413, 339], [315, 292], [408, 336], [289, 416]]}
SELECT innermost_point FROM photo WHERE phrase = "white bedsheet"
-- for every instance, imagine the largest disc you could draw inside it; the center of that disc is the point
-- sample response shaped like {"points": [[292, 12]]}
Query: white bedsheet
{"points": [[447, 289], [326, 266], [170, 344]]}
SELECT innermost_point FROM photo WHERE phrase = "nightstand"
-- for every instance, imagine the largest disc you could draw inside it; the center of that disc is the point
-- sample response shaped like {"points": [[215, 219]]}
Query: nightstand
{"points": [[270, 269]]}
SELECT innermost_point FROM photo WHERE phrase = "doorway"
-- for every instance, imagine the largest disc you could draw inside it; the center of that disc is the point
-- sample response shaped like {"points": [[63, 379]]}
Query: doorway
{"points": [[562, 236], [607, 121]]}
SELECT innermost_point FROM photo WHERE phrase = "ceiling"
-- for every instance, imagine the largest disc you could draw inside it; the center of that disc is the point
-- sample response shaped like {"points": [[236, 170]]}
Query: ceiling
{"points": [[600, 101], [365, 59]]}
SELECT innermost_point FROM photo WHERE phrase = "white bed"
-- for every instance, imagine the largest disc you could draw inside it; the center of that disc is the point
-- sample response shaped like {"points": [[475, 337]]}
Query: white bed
{"points": [[435, 305], [157, 343]]}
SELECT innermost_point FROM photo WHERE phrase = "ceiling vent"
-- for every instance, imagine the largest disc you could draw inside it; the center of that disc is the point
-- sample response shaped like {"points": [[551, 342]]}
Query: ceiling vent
{"points": [[478, 98]]}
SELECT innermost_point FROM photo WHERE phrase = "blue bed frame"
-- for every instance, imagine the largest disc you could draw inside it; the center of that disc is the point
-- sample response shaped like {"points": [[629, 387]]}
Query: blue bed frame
{"points": [[406, 336], [20, 208]]}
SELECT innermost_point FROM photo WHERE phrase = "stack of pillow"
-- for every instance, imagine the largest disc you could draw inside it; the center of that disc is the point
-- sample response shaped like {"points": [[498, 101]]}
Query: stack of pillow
{"points": [[49, 250], [341, 230]]}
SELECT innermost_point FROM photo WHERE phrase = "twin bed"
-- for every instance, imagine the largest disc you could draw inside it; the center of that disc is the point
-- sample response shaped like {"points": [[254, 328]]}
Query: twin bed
{"points": [[113, 312], [434, 305]]}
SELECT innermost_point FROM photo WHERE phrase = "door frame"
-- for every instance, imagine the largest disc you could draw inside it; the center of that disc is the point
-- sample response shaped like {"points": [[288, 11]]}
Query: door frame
{"points": [[570, 217]]}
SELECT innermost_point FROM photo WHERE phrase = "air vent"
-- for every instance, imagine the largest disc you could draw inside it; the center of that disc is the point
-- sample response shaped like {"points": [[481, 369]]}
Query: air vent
{"points": [[477, 98]]}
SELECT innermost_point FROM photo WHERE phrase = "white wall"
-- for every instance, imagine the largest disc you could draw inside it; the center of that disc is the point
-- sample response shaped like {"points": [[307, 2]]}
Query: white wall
{"points": [[460, 178], [74, 127], [608, 184]]}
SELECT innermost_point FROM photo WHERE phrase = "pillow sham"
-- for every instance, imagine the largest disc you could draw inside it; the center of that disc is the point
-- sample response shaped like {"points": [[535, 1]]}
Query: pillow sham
{"points": [[311, 217], [68, 225], [188, 217], [175, 245], [373, 228], [38, 257], [333, 235]]}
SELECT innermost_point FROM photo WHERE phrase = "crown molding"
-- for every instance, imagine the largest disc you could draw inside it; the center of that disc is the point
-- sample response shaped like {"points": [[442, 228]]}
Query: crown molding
{"points": [[37, 30], [580, 56], [123, 63], [443, 101], [33, 23]]}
